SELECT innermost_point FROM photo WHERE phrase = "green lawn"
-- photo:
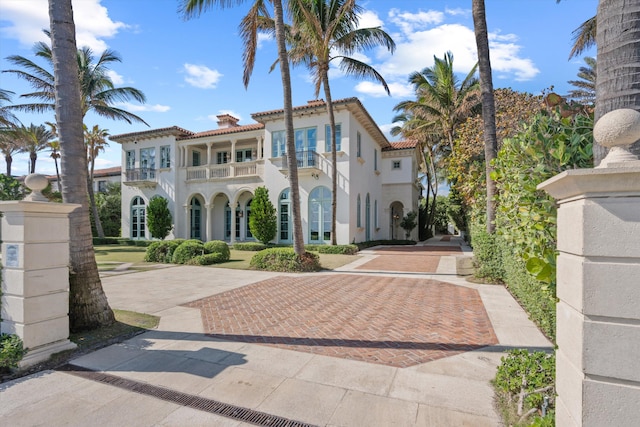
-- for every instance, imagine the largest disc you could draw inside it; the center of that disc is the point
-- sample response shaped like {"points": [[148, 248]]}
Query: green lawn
{"points": [[108, 258]]}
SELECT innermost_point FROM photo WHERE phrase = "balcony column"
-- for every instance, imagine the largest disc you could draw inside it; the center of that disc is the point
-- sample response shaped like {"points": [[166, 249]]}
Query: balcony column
{"points": [[187, 221], [259, 152], [232, 238], [209, 144], [209, 210]]}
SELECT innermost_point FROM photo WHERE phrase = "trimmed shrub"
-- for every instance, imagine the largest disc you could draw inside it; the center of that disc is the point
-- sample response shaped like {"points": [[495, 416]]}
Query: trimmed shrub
{"points": [[126, 241], [162, 251], [338, 249], [263, 221], [525, 387], [207, 259], [372, 243], [11, 351], [487, 255], [285, 260], [159, 220], [249, 246], [187, 250], [142, 243], [106, 241], [219, 247]]}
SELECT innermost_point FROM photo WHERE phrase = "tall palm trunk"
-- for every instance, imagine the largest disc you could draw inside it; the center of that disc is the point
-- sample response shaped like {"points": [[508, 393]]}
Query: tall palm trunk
{"points": [[488, 106], [55, 160], [298, 242], [334, 155], [32, 162], [9, 160], [88, 306], [92, 201], [618, 41]]}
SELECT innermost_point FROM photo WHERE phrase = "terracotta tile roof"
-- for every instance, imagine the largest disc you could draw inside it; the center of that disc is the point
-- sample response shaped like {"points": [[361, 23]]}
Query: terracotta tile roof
{"points": [[224, 131], [173, 130], [401, 145]]}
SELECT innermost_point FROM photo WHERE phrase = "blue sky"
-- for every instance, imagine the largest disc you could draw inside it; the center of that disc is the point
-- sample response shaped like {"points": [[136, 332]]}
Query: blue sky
{"points": [[191, 71]]}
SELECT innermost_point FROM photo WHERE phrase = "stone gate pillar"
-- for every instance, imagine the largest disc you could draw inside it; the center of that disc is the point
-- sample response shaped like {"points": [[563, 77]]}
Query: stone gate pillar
{"points": [[35, 272], [598, 283]]}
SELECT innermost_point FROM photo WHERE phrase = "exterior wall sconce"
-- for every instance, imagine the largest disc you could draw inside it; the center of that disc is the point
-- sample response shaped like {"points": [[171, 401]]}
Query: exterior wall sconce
{"points": [[240, 214], [315, 176]]}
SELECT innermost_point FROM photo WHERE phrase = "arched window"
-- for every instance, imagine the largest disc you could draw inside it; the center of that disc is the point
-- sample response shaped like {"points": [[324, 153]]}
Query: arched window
{"points": [[284, 215], [138, 213], [320, 215], [358, 212], [196, 218]]}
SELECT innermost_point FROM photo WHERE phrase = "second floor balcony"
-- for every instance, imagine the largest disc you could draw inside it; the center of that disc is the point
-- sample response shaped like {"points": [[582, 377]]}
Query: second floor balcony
{"points": [[226, 171], [140, 177]]}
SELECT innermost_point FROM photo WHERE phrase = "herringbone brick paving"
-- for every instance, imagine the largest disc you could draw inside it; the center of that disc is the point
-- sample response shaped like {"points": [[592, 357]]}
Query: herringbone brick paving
{"points": [[413, 259], [392, 321]]}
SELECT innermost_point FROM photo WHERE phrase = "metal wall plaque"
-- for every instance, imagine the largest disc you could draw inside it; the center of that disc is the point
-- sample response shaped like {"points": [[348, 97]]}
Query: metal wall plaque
{"points": [[12, 254]]}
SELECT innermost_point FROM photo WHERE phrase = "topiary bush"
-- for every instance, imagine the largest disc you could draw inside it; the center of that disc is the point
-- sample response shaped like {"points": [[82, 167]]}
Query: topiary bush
{"points": [[220, 247], [338, 249], [285, 260], [525, 387], [207, 259], [11, 351], [249, 246], [488, 260], [187, 250]]}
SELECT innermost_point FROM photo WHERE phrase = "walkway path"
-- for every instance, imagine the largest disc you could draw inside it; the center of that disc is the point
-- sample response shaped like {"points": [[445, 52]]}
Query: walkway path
{"points": [[365, 346]]}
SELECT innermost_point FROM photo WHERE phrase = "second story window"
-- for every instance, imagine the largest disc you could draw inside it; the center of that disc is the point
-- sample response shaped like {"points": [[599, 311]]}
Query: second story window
{"points": [[195, 158], [243, 155], [375, 159], [165, 156], [327, 132], [131, 159], [396, 164], [305, 139], [278, 147], [221, 157], [359, 145], [148, 158]]}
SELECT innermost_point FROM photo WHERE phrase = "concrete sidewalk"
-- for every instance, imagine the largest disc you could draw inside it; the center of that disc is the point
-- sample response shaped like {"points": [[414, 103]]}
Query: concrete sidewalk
{"points": [[309, 388]]}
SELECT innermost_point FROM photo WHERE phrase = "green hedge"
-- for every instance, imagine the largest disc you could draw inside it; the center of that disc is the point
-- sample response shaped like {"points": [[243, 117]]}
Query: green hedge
{"points": [[162, 251], [187, 250], [220, 247], [106, 241], [11, 351], [249, 246], [372, 243], [207, 259], [285, 260]]}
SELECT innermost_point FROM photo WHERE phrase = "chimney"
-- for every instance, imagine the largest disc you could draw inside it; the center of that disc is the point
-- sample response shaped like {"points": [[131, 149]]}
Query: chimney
{"points": [[226, 121]]}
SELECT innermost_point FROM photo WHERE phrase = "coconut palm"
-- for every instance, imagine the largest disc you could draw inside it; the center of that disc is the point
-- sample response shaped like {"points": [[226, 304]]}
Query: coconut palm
{"points": [[31, 139], [88, 305], [8, 147], [96, 141], [7, 119], [54, 147], [249, 33], [327, 30], [488, 106], [584, 37], [98, 92], [585, 92]]}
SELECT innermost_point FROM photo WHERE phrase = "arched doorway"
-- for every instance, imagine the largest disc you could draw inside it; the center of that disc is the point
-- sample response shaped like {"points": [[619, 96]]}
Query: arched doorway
{"points": [[320, 215], [284, 217], [138, 214], [397, 212], [196, 219]]}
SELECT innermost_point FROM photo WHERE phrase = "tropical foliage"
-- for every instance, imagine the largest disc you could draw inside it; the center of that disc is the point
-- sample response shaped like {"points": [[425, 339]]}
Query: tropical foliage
{"points": [[10, 188], [159, 220], [263, 221], [31, 139], [585, 87], [95, 140]]}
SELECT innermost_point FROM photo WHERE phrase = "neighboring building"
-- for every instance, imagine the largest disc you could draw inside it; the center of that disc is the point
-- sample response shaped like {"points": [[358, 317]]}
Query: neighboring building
{"points": [[101, 178], [209, 178]]}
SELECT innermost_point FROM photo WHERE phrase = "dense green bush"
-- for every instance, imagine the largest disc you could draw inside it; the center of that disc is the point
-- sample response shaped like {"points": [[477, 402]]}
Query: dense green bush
{"points": [[11, 351], [106, 241], [285, 260], [207, 259], [338, 249], [109, 208], [162, 251], [142, 243], [249, 246], [220, 247], [372, 243], [487, 255], [263, 221], [159, 220], [187, 250], [525, 387]]}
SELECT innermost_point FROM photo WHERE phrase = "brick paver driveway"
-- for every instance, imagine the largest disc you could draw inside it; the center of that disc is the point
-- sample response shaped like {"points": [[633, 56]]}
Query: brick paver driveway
{"points": [[395, 321], [413, 259]]}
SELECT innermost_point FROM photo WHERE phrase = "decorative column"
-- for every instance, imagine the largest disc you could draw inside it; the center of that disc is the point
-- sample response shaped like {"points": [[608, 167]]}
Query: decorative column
{"points": [[187, 221], [598, 282], [208, 210], [209, 144], [35, 272], [232, 238]]}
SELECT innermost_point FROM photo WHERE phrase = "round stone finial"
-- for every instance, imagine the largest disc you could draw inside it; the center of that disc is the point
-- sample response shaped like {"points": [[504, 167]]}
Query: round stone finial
{"points": [[36, 183], [618, 128]]}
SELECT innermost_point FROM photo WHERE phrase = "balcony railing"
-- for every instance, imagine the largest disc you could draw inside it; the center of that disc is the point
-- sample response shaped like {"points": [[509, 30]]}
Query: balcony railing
{"points": [[140, 174], [304, 159], [225, 171]]}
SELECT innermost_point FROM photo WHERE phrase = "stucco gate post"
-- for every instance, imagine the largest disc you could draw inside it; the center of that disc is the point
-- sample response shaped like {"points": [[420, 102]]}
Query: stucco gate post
{"points": [[35, 272], [598, 282]]}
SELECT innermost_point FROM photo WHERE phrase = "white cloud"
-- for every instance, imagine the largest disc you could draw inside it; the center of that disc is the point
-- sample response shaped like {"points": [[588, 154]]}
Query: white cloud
{"points": [[135, 108], [28, 18], [201, 76], [264, 38], [376, 90], [457, 11], [409, 21], [369, 19], [214, 117], [116, 78], [103, 163]]}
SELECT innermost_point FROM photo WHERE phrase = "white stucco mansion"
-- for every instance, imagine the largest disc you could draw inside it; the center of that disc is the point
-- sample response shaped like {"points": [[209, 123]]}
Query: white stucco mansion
{"points": [[209, 178]]}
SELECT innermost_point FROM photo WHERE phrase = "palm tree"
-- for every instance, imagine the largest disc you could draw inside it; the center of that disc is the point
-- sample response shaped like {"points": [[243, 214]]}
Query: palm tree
{"points": [[584, 37], [31, 139], [325, 30], [98, 92], [88, 305], [249, 33], [7, 119], [54, 146], [7, 147], [96, 142], [585, 92], [488, 106]]}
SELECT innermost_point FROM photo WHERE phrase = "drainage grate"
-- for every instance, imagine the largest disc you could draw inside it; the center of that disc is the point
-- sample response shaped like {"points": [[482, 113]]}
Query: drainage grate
{"points": [[184, 399]]}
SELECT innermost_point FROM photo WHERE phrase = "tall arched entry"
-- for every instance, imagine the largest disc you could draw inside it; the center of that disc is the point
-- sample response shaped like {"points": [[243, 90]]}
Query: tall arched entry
{"points": [[196, 219], [284, 217], [397, 212], [320, 215], [138, 214]]}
